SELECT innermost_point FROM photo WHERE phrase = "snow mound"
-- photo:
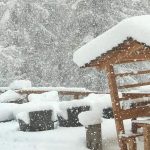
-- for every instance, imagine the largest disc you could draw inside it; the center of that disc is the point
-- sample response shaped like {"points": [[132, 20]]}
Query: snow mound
{"points": [[20, 84], [6, 111], [44, 97], [95, 101], [136, 27], [9, 96], [90, 118], [23, 116]]}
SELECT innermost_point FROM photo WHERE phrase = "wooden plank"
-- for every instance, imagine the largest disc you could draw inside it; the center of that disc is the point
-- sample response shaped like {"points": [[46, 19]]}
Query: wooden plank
{"points": [[135, 96], [133, 85], [133, 73], [136, 58], [124, 55], [135, 112], [76, 95]]}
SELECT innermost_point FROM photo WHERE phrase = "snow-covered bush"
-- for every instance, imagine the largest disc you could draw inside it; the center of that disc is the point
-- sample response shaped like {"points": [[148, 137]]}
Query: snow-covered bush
{"points": [[20, 84], [10, 96]]}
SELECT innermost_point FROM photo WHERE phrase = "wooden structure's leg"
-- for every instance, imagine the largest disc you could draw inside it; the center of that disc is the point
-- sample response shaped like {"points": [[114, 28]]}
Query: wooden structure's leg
{"points": [[116, 105], [134, 126], [76, 96], [146, 130], [132, 144]]}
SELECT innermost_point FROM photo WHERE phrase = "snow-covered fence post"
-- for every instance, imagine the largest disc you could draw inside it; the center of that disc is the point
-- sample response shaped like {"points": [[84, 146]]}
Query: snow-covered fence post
{"points": [[93, 137], [92, 122]]}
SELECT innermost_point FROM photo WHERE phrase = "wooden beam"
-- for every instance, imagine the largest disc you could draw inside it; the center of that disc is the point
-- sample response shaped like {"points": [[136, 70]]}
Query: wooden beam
{"points": [[128, 96], [115, 104], [124, 55], [135, 112], [134, 58], [132, 73], [73, 93], [133, 85]]}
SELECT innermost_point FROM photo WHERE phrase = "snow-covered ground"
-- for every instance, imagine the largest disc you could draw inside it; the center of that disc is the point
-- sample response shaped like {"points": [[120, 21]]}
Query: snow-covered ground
{"points": [[59, 139]]}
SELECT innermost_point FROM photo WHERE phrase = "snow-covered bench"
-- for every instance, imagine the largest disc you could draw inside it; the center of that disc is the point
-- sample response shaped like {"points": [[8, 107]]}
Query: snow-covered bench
{"points": [[39, 113], [36, 120], [72, 116]]}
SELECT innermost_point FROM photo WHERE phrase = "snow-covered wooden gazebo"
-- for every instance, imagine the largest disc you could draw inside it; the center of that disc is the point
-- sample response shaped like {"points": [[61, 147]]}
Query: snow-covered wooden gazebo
{"points": [[127, 42]]}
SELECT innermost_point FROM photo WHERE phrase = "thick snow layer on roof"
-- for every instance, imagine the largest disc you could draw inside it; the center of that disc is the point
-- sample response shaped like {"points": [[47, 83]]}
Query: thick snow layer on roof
{"points": [[136, 27]]}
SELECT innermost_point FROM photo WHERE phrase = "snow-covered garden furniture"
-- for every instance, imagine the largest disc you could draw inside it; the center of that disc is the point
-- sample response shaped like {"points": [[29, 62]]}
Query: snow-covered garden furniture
{"points": [[72, 116], [69, 110], [127, 42], [92, 122], [40, 113], [36, 120]]}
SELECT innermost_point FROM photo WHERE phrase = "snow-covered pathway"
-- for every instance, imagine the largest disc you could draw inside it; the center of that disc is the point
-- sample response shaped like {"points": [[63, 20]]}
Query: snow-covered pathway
{"points": [[58, 139]]}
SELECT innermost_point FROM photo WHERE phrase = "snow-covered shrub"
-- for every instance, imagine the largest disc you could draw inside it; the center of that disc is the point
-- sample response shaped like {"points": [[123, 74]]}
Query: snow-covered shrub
{"points": [[108, 113], [20, 84], [11, 97]]}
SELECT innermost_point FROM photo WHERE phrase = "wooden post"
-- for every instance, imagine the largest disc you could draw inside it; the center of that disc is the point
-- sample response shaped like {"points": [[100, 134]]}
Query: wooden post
{"points": [[115, 104], [146, 130], [76, 96], [132, 144], [93, 137]]}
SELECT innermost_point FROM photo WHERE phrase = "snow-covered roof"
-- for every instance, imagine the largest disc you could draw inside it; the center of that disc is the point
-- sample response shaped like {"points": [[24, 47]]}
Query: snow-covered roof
{"points": [[137, 28]]}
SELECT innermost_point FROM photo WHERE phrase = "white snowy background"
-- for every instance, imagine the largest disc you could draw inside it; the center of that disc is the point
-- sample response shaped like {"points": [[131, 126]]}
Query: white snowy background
{"points": [[38, 38]]}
